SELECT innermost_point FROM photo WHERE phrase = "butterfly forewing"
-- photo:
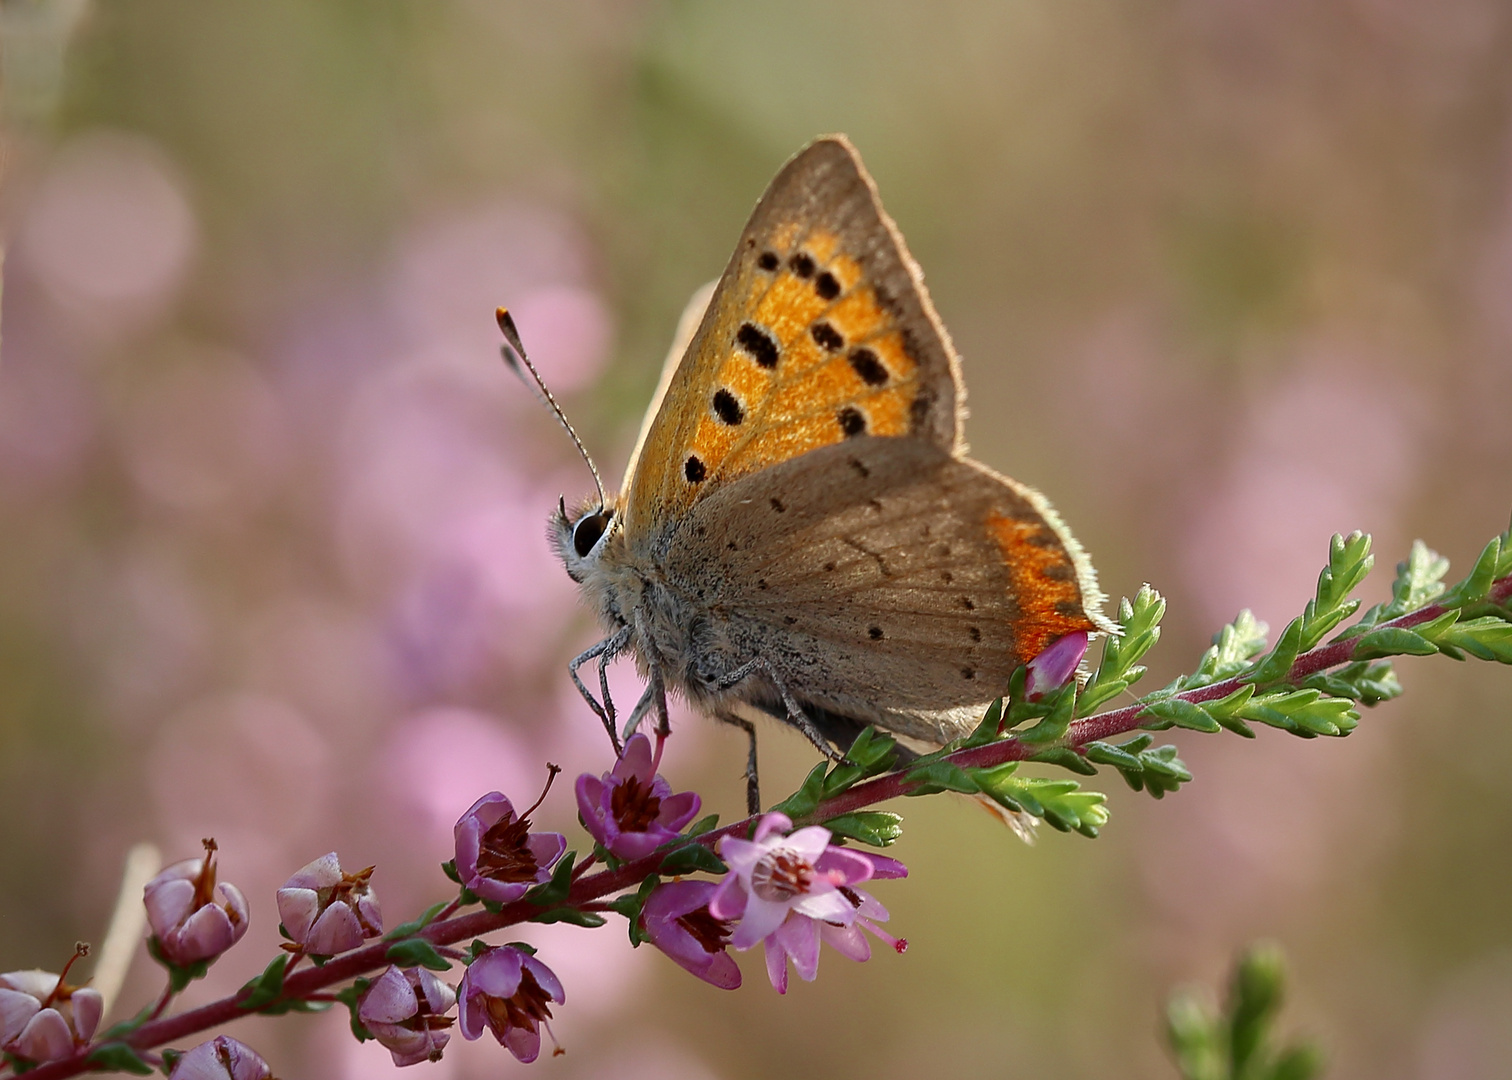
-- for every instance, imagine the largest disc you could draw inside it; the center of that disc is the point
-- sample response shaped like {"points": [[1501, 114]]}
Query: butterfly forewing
{"points": [[819, 331]]}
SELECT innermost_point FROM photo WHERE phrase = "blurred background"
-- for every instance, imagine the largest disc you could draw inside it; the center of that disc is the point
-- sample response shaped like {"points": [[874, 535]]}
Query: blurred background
{"points": [[1227, 277]]}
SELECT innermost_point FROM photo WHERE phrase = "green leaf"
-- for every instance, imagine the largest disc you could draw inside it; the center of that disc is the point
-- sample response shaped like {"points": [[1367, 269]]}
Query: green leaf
{"points": [[802, 802], [416, 952], [1057, 722], [414, 926], [937, 776], [878, 828], [449, 868], [121, 1028], [1107, 754], [118, 1057], [266, 986], [1487, 638], [1175, 711], [1298, 1063], [570, 915], [1254, 997], [1061, 803], [702, 825], [1278, 663], [1303, 712], [1478, 583], [1419, 579], [1393, 641], [1226, 710], [990, 728], [1066, 758], [1193, 1034], [1234, 647], [690, 859], [1349, 561], [553, 893]]}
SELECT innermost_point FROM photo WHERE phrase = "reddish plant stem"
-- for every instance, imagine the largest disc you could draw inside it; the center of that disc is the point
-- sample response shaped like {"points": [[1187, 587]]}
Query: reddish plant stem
{"points": [[584, 890]]}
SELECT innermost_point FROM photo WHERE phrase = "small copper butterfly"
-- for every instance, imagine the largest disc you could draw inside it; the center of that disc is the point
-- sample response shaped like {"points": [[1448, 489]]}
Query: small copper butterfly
{"points": [[800, 534]]}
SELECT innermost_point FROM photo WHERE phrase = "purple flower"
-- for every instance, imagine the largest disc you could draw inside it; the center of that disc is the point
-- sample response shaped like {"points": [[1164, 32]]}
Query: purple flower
{"points": [[791, 892], [632, 811], [187, 923], [405, 1010], [498, 857], [677, 921], [508, 990], [42, 1018], [1055, 665], [325, 911], [222, 1058]]}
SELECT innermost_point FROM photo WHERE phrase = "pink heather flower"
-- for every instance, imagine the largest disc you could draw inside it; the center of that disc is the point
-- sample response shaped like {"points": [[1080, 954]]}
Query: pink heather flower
{"points": [[632, 811], [42, 1018], [507, 990], [1055, 665], [498, 857], [405, 1010], [677, 921], [325, 911], [788, 892], [187, 923], [222, 1058]]}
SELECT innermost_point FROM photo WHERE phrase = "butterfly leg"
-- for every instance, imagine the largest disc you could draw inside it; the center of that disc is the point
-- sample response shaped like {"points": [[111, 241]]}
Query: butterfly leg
{"points": [[753, 786], [637, 714], [795, 714], [608, 649]]}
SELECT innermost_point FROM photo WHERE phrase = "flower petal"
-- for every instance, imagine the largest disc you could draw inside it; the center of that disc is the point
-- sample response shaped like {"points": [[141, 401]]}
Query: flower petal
{"points": [[236, 909], [389, 1000], [168, 902], [297, 910], [636, 761], [776, 964], [800, 938], [207, 933], [45, 1037], [438, 995], [852, 867], [524, 1043], [730, 898], [16, 1008], [722, 971], [547, 847], [322, 873], [677, 810], [336, 931], [760, 919], [87, 1006], [848, 941], [545, 978], [772, 823]]}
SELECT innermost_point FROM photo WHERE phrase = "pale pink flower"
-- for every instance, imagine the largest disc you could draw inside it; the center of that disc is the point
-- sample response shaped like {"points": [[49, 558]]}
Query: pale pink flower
{"points": [[42, 1018], [405, 1010], [222, 1058], [187, 923], [326, 911]]}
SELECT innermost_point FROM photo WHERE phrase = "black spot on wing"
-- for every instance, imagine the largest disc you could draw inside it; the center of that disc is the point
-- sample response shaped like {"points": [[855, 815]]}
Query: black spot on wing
{"points": [[802, 264], [852, 421], [768, 260], [827, 337], [865, 364], [727, 408], [827, 286], [875, 633], [694, 469], [758, 344]]}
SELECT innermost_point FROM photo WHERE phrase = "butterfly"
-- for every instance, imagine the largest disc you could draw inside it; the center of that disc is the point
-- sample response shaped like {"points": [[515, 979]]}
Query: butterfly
{"points": [[800, 534]]}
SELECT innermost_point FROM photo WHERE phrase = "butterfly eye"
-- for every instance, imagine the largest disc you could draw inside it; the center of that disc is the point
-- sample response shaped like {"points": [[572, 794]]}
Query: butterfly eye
{"points": [[586, 533]]}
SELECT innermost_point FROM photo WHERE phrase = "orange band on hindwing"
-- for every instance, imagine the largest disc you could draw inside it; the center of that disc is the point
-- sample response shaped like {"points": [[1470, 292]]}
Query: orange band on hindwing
{"points": [[1043, 580]]}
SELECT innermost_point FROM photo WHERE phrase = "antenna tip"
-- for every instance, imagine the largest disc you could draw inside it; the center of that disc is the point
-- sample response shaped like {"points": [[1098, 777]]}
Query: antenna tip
{"points": [[506, 320]]}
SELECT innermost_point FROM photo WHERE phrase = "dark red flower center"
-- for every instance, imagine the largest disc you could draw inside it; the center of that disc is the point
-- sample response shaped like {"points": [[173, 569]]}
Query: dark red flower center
{"points": [[711, 934], [525, 1008], [349, 890], [504, 852], [633, 806], [781, 875]]}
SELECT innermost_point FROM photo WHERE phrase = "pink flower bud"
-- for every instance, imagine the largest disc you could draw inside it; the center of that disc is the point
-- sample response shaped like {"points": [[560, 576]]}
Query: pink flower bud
{"points": [[405, 1010], [326, 911], [1056, 665], [42, 1018], [222, 1058], [187, 922]]}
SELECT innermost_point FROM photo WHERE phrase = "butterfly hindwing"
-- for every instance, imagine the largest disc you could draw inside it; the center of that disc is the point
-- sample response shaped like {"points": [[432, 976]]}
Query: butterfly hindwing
{"points": [[886, 578], [819, 331]]}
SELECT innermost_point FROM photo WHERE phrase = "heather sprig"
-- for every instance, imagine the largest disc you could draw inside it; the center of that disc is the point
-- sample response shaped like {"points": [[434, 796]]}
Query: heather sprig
{"points": [[789, 878], [1237, 1042]]}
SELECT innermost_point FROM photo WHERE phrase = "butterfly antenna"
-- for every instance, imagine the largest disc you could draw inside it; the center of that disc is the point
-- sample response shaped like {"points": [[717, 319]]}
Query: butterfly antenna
{"points": [[519, 363]]}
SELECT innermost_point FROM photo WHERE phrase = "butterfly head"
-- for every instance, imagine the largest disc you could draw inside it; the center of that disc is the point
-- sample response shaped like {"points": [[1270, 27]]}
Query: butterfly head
{"points": [[581, 535]]}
